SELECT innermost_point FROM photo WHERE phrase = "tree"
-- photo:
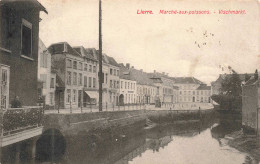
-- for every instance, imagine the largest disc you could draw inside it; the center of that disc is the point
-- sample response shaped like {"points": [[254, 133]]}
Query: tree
{"points": [[247, 77], [230, 96]]}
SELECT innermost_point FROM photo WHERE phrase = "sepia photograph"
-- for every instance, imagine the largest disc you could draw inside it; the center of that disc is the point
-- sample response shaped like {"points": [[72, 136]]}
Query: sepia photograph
{"points": [[129, 82]]}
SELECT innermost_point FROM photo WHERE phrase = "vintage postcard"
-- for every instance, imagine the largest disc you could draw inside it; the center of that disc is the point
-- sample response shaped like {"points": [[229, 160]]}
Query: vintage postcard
{"points": [[129, 81]]}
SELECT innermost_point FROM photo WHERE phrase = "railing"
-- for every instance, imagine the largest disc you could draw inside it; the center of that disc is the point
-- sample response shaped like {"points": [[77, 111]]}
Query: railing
{"points": [[19, 119]]}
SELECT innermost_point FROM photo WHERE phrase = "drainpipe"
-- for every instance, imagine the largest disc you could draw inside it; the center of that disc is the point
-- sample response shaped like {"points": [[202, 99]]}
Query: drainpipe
{"points": [[257, 122]]}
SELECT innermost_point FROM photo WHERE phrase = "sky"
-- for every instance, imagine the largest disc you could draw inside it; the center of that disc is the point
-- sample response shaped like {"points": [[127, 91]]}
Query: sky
{"points": [[178, 44]]}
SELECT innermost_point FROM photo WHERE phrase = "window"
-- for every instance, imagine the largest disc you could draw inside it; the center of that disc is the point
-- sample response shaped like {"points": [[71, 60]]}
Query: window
{"points": [[85, 81], [74, 95], [114, 72], [125, 85], [90, 68], [80, 79], [43, 59], [111, 71], [121, 85], [51, 98], [69, 63], [94, 82], [114, 84], [89, 82], [68, 95], [74, 78], [74, 64], [128, 85], [26, 38], [94, 69], [80, 66], [86, 67], [43, 78], [111, 84], [106, 77], [52, 82], [117, 72], [69, 78], [117, 84], [4, 76]]}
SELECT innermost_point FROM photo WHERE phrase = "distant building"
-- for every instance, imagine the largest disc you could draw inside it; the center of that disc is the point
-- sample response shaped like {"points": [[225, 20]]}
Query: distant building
{"points": [[188, 86], [45, 75], [68, 65], [127, 91], [19, 31], [203, 94], [111, 81], [251, 104], [167, 90], [89, 75], [145, 89]]}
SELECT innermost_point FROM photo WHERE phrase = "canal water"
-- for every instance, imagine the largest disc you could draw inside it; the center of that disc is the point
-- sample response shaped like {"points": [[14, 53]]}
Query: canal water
{"points": [[189, 143], [185, 143]]}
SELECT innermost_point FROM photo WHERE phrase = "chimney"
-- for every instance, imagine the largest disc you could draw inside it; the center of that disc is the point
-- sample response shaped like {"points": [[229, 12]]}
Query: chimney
{"points": [[127, 65], [154, 71]]}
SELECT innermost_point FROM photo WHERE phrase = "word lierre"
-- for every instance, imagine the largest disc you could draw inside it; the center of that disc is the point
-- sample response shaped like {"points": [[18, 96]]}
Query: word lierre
{"points": [[188, 12]]}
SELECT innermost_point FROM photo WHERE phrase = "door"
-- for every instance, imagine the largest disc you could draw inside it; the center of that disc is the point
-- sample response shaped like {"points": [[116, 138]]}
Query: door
{"points": [[79, 98], [4, 86]]}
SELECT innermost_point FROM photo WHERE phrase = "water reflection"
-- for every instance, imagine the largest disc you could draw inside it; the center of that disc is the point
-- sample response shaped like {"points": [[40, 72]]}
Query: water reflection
{"points": [[188, 143]]}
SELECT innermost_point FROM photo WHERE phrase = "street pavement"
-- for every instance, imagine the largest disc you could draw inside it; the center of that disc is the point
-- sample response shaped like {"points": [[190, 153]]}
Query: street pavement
{"points": [[129, 108]]}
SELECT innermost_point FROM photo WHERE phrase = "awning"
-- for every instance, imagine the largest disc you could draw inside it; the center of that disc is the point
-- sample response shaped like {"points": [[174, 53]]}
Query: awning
{"points": [[92, 94]]}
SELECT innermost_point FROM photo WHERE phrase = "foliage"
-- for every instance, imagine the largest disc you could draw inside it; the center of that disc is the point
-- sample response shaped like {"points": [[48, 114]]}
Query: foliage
{"points": [[15, 119], [16, 103], [230, 96]]}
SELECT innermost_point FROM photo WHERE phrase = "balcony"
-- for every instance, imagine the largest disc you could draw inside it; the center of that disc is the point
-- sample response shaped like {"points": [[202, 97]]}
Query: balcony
{"points": [[20, 124]]}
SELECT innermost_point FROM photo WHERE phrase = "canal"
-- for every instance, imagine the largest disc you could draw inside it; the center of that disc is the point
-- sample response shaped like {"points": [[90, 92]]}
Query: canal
{"points": [[183, 143], [189, 143]]}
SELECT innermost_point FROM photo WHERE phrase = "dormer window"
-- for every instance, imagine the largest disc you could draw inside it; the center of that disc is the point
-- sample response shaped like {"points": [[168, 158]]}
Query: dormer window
{"points": [[26, 38]]}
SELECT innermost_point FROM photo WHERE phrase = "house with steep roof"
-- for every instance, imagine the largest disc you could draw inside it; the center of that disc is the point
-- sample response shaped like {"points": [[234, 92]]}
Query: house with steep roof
{"points": [[203, 94], [111, 84], [167, 94], [19, 31], [68, 65], [127, 90], [145, 88], [188, 86], [90, 76], [251, 104]]}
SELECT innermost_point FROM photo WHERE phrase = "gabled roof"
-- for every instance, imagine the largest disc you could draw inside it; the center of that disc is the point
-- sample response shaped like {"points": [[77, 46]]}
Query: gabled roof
{"points": [[25, 4], [252, 81], [81, 50], [204, 87], [93, 52], [124, 73], [141, 77], [112, 61], [186, 80], [62, 47]]}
